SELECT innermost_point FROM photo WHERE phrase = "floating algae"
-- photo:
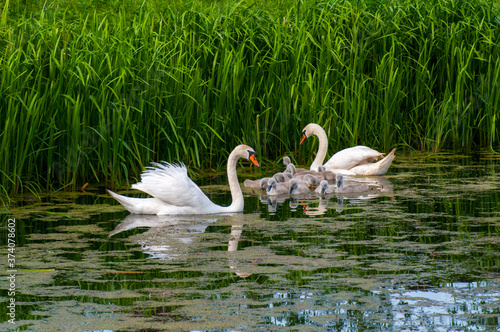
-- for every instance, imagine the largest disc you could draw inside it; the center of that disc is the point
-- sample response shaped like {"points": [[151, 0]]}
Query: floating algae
{"points": [[424, 256]]}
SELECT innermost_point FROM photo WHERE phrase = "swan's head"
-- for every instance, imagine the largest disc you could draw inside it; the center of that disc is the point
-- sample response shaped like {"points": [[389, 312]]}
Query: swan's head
{"points": [[244, 151], [286, 161], [321, 169], [309, 130], [294, 184]]}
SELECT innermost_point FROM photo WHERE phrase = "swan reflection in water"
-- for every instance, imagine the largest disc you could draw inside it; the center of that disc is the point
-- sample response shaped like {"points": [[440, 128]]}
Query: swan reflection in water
{"points": [[169, 237], [165, 234], [377, 187]]}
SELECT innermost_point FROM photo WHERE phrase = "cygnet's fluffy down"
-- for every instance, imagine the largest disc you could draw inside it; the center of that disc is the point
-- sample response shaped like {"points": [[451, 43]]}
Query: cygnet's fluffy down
{"points": [[324, 188], [297, 188], [352, 188], [327, 175], [282, 177], [302, 176], [290, 168], [275, 188], [311, 180], [255, 183]]}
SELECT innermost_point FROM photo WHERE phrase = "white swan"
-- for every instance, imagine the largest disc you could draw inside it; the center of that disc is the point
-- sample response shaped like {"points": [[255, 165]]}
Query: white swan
{"points": [[358, 160], [175, 193]]}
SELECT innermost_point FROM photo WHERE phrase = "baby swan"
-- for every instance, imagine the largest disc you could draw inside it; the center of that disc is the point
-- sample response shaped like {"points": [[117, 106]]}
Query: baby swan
{"points": [[327, 175], [297, 188], [290, 168], [324, 188], [282, 177], [352, 188], [275, 188], [311, 180]]}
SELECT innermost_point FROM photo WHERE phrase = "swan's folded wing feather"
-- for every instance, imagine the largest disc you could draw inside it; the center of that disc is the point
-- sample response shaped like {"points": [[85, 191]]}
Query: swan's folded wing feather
{"points": [[171, 184], [350, 157]]}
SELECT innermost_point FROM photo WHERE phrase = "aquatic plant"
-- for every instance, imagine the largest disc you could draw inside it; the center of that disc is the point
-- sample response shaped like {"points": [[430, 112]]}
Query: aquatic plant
{"points": [[91, 92]]}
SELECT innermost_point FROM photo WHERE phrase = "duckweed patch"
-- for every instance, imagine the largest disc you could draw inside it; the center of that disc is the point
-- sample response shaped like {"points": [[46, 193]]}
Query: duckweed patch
{"points": [[423, 255]]}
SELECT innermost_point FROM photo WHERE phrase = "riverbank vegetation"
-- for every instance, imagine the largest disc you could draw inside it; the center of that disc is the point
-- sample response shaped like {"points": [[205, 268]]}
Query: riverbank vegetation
{"points": [[91, 91]]}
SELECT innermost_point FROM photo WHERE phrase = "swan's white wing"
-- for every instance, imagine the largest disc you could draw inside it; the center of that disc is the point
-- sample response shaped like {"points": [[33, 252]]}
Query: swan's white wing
{"points": [[170, 183], [350, 157]]}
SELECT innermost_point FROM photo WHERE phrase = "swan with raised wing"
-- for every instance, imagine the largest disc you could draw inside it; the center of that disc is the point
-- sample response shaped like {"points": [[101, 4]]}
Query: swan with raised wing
{"points": [[358, 160], [175, 193]]}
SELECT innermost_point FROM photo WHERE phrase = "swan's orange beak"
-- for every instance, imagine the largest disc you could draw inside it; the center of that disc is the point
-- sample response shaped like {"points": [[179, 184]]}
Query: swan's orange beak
{"points": [[303, 137], [253, 159]]}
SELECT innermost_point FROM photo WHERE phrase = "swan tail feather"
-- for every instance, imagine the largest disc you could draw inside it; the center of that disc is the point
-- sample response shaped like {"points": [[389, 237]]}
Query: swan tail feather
{"points": [[136, 205], [386, 162]]}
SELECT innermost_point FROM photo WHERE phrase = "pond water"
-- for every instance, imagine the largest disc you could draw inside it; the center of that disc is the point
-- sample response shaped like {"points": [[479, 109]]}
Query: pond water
{"points": [[423, 254]]}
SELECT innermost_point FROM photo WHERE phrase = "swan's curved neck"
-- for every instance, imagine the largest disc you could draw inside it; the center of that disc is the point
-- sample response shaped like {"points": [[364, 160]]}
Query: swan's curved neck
{"points": [[236, 194], [323, 147]]}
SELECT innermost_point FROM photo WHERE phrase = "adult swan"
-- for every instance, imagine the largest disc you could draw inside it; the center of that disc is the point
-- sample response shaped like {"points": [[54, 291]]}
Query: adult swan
{"points": [[358, 160], [175, 193]]}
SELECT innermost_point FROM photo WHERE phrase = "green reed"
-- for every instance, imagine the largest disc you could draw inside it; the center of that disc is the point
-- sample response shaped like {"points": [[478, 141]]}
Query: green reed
{"points": [[92, 91]]}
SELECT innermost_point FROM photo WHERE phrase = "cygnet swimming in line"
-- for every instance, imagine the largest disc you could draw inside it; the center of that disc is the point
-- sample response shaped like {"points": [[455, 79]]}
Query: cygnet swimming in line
{"points": [[275, 188], [297, 187], [351, 188], [325, 188], [310, 179], [282, 177]]}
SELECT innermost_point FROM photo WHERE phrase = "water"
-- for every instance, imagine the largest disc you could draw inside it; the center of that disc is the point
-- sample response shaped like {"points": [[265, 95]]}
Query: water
{"points": [[421, 255]]}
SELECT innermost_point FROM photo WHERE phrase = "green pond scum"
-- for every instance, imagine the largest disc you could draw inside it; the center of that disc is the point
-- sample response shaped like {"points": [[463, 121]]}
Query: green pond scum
{"points": [[424, 255]]}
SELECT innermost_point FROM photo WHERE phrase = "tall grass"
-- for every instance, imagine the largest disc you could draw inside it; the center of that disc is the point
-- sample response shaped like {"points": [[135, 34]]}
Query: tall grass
{"points": [[94, 95]]}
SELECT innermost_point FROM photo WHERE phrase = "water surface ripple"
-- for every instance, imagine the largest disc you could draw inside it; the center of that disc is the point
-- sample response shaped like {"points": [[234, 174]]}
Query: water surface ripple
{"points": [[422, 255]]}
